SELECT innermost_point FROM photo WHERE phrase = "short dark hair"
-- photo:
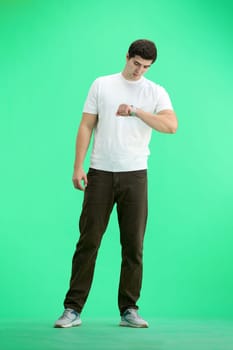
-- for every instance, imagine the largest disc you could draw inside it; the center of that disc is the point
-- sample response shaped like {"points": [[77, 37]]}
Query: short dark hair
{"points": [[143, 48]]}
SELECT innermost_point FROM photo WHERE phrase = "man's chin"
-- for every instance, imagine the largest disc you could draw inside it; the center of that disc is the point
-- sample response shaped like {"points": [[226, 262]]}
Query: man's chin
{"points": [[136, 76]]}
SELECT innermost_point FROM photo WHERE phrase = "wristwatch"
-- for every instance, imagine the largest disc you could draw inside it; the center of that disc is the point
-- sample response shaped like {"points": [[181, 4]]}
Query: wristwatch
{"points": [[133, 111]]}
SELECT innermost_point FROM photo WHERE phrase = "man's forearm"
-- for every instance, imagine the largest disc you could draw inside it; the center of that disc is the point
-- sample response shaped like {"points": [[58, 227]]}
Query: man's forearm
{"points": [[82, 144], [164, 121]]}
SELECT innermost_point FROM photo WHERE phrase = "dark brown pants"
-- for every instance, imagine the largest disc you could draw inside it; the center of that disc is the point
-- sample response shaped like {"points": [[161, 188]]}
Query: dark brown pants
{"points": [[129, 191]]}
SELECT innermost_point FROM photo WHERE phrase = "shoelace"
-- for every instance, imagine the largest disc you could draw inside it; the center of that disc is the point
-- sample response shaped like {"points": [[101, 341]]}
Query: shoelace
{"points": [[68, 312], [134, 313]]}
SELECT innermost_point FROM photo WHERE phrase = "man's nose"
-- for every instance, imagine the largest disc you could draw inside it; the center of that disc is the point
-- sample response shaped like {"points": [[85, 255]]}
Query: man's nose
{"points": [[140, 70]]}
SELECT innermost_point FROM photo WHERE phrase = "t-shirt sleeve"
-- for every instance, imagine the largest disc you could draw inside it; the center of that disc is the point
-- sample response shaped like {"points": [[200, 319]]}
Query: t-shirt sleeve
{"points": [[91, 103], [164, 101]]}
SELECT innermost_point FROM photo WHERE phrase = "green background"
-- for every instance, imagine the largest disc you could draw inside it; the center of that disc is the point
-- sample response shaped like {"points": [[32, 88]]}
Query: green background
{"points": [[51, 51]]}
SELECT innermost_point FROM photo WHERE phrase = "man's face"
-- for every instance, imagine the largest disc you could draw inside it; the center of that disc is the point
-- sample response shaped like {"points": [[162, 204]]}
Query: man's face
{"points": [[135, 67]]}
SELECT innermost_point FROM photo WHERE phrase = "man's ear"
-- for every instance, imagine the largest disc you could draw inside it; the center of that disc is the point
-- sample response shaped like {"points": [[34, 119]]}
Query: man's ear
{"points": [[127, 56]]}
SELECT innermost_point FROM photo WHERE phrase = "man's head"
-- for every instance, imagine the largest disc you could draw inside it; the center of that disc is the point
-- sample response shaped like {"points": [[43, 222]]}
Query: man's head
{"points": [[146, 49], [141, 55]]}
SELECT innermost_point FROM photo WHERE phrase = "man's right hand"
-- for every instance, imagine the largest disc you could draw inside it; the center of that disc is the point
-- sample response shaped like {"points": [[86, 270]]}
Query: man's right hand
{"points": [[79, 179]]}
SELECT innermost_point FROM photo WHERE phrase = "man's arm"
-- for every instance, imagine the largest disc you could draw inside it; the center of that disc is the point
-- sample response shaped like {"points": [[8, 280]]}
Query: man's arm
{"points": [[165, 121], [85, 130]]}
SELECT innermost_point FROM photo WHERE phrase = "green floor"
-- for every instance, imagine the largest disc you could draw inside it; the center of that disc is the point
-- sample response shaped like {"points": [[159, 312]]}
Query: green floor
{"points": [[106, 334]]}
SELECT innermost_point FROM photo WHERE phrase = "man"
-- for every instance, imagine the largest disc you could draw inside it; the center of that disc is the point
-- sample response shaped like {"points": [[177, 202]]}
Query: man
{"points": [[121, 109]]}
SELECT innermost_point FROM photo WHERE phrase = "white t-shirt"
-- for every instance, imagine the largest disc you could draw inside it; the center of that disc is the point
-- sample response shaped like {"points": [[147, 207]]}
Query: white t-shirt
{"points": [[121, 143]]}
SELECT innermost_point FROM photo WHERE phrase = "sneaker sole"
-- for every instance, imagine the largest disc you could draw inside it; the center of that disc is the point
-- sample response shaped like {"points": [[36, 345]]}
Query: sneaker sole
{"points": [[133, 325], [69, 325]]}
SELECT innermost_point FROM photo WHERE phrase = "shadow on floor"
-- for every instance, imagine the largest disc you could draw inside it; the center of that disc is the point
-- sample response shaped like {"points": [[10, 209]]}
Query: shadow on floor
{"points": [[105, 334]]}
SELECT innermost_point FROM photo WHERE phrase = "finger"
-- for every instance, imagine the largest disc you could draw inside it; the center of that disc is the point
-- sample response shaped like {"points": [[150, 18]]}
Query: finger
{"points": [[85, 180], [122, 113], [78, 185]]}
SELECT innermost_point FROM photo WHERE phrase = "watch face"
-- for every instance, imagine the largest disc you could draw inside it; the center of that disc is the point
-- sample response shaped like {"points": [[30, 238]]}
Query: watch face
{"points": [[133, 111]]}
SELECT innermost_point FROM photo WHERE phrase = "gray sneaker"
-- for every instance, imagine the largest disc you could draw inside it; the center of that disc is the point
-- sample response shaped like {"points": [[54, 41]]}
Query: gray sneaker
{"points": [[130, 318], [69, 318]]}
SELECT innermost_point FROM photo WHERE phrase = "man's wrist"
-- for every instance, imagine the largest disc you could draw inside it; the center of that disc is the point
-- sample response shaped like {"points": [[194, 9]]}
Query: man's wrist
{"points": [[78, 167], [133, 111]]}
